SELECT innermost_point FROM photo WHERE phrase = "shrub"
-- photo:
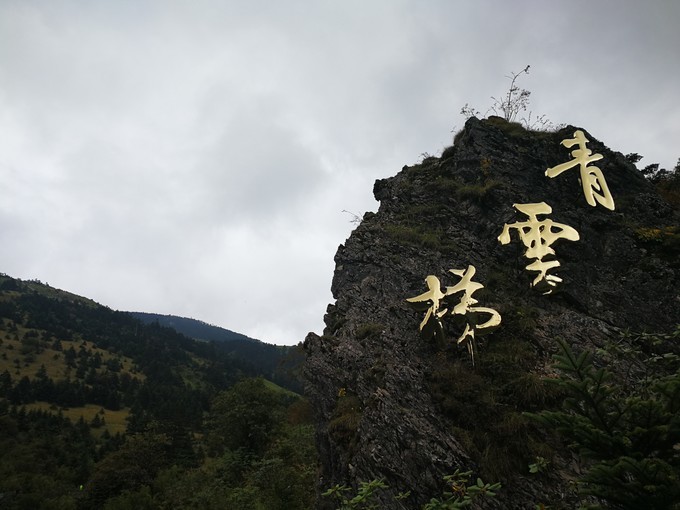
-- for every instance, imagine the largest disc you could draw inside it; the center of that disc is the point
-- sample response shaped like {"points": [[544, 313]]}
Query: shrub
{"points": [[345, 420], [369, 330], [460, 493], [629, 437]]}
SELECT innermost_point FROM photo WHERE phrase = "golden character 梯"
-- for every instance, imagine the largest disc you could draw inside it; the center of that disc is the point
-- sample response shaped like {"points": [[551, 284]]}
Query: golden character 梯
{"points": [[437, 303]]}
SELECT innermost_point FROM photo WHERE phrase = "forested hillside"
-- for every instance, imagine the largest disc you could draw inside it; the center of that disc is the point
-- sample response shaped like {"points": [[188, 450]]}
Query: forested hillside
{"points": [[278, 363], [98, 410]]}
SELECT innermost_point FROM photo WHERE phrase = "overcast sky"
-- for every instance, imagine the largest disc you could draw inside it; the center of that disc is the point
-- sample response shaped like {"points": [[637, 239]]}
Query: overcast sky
{"points": [[194, 157]]}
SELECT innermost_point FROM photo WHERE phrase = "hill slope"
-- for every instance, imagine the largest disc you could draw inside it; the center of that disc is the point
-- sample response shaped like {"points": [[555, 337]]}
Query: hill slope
{"points": [[193, 328], [281, 364], [102, 356], [97, 409]]}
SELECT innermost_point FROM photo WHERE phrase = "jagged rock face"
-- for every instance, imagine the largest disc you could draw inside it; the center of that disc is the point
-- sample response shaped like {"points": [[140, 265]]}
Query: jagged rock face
{"points": [[380, 390]]}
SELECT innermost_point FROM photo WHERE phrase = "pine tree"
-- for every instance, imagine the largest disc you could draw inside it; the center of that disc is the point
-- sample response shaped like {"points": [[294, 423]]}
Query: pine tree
{"points": [[70, 357], [5, 383], [630, 439]]}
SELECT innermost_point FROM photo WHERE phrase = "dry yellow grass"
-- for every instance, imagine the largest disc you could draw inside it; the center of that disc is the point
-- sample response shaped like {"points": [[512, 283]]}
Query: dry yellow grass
{"points": [[19, 365], [116, 421], [10, 352]]}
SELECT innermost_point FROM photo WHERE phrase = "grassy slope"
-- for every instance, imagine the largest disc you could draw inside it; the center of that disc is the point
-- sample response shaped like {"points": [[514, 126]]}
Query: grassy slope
{"points": [[115, 421], [20, 364], [52, 360]]}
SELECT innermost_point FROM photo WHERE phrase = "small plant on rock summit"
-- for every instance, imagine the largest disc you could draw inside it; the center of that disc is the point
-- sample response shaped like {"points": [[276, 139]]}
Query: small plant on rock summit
{"points": [[509, 106]]}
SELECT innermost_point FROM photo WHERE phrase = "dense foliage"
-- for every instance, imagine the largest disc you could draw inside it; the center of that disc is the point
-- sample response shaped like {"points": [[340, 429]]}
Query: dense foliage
{"points": [[272, 469], [626, 429], [461, 491], [98, 410], [278, 363]]}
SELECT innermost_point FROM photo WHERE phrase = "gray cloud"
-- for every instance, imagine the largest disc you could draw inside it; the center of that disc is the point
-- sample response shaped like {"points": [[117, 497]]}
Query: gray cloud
{"points": [[194, 158]]}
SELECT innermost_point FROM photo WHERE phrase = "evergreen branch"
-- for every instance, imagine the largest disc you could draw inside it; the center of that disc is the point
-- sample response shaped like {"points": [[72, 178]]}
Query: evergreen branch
{"points": [[633, 440]]}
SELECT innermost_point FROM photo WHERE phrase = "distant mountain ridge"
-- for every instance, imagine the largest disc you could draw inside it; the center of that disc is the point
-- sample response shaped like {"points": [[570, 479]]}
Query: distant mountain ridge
{"points": [[70, 315], [193, 328], [276, 362]]}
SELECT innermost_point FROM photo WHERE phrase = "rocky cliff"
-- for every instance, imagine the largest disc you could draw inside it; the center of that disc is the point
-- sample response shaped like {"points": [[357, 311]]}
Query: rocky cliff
{"points": [[392, 404]]}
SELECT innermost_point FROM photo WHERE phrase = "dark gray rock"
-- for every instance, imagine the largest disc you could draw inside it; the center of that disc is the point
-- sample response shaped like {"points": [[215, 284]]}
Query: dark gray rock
{"points": [[376, 385]]}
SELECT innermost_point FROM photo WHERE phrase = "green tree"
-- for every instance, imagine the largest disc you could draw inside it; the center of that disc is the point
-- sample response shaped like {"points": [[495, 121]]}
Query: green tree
{"points": [[43, 459], [248, 415], [5, 382], [43, 386], [134, 465], [629, 431], [279, 477], [70, 357], [135, 500]]}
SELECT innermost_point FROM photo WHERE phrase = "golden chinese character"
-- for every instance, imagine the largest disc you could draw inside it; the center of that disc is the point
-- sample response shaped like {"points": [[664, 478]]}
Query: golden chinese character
{"points": [[592, 180], [438, 304], [538, 236], [472, 313], [431, 302]]}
